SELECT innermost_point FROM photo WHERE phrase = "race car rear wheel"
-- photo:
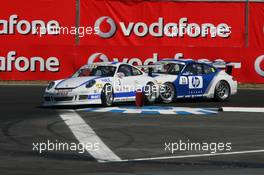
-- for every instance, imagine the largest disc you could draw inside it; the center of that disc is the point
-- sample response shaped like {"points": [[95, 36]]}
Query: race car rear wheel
{"points": [[150, 93], [107, 95], [167, 93], [222, 91]]}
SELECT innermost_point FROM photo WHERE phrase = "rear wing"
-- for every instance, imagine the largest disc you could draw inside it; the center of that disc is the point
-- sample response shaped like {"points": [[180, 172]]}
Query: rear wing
{"points": [[227, 66]]}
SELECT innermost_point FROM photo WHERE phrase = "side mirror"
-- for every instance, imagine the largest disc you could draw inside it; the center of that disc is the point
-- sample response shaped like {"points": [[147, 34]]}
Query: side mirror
{"points": [[150, 71], [120, 75]]}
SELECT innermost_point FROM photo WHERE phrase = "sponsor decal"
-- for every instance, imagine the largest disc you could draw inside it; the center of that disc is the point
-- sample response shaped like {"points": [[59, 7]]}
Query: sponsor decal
{"points": [[161, 29], [196, 82], [63, 92], [95, 96], [106, 80], [99, 85]]}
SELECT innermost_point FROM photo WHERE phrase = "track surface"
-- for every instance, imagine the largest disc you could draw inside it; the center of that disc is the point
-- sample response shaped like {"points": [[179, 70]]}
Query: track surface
{"points": [[23, 121]]}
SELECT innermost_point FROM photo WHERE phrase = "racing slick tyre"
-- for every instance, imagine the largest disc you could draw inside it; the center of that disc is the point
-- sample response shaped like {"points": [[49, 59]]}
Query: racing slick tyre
{"points": [[107, 95], [168, 93], [222, 91], [150, 93]]}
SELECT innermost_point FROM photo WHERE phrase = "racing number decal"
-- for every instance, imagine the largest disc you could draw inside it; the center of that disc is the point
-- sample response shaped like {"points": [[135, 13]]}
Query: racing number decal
{"points": [[118, 85], [183, 80], [119, 82], [196, 82]]}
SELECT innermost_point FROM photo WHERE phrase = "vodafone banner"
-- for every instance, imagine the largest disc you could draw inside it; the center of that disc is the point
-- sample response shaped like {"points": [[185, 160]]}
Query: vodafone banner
{"points": [[252, 60], [164, 23], [256, 25], [137, 32], [32, 21], [36, 62]]}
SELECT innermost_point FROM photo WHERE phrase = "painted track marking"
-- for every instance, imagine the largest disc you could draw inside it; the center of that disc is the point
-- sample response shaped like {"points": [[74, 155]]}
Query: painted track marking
{"points": [[86, 135], [161, 110], [242, 109], [192, 156]]}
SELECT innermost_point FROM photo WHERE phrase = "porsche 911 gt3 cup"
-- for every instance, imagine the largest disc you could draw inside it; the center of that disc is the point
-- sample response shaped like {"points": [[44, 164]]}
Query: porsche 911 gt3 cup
{"points": [[189, 79], [101, 83]]}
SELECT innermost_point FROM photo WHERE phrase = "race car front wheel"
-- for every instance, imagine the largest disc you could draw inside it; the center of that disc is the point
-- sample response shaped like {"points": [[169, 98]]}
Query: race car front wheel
{"points": [[167, 93], [150, 93], [222, 91], [107, 95]]}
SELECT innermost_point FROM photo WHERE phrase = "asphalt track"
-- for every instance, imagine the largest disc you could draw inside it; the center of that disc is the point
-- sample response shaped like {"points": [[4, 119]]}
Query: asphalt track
{"points": [[129, 136]]}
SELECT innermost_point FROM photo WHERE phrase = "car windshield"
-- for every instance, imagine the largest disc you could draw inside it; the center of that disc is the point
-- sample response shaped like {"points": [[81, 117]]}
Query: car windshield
{"points": [[168, 68], [101, 71]]}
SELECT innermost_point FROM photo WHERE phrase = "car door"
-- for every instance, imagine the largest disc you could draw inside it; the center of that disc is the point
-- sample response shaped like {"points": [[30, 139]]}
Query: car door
{"points": [[139, 78], [191, 81], [125, 83], [209, 73]]}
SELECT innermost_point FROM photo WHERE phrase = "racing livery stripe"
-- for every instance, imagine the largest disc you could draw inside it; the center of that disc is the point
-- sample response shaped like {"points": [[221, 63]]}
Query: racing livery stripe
{"points": [[124, 94]]}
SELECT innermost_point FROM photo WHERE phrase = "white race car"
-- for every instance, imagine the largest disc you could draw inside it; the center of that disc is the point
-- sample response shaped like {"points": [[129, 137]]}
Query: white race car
{"points": [[188, 79], [101, 83]]}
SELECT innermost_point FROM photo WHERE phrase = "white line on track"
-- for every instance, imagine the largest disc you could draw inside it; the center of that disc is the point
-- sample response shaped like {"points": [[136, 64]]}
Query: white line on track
{"points": [[86, 135], [192, 156], [242, 109]]}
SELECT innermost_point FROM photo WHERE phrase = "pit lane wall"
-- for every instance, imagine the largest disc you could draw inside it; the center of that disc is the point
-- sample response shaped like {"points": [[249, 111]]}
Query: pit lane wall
{"points": [[138, 32]]}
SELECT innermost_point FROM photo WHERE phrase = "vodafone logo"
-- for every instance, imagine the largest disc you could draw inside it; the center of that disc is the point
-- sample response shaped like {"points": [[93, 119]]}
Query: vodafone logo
{"points": [[258, 68], [100, 57], [159, 28], [97, 57], [112, 24]]}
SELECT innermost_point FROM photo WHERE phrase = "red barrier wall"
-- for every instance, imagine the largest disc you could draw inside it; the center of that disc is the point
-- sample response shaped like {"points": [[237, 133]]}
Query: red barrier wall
{"points": [[21, 14], [134, 21], [129, 31]]}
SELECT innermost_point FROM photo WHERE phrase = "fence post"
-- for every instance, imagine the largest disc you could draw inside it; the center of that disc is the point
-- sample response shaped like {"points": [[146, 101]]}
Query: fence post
{"points": [[247, 23], [77, 22]]}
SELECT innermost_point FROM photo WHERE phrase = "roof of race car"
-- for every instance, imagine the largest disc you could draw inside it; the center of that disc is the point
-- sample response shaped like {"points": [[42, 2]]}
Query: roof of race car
{"points": [[185, 61], [114, 63]]}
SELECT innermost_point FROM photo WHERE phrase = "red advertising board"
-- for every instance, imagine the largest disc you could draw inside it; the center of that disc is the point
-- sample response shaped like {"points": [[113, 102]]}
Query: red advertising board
{"points": [[129, 31], [36, 62], [31, 21], [248, 72], [164, 23], [256, 25], [50, 63]]}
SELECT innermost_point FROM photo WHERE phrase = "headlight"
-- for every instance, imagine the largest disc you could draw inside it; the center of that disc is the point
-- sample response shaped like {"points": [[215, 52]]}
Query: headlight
{"points": [[50, 85], [90, 83]]}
